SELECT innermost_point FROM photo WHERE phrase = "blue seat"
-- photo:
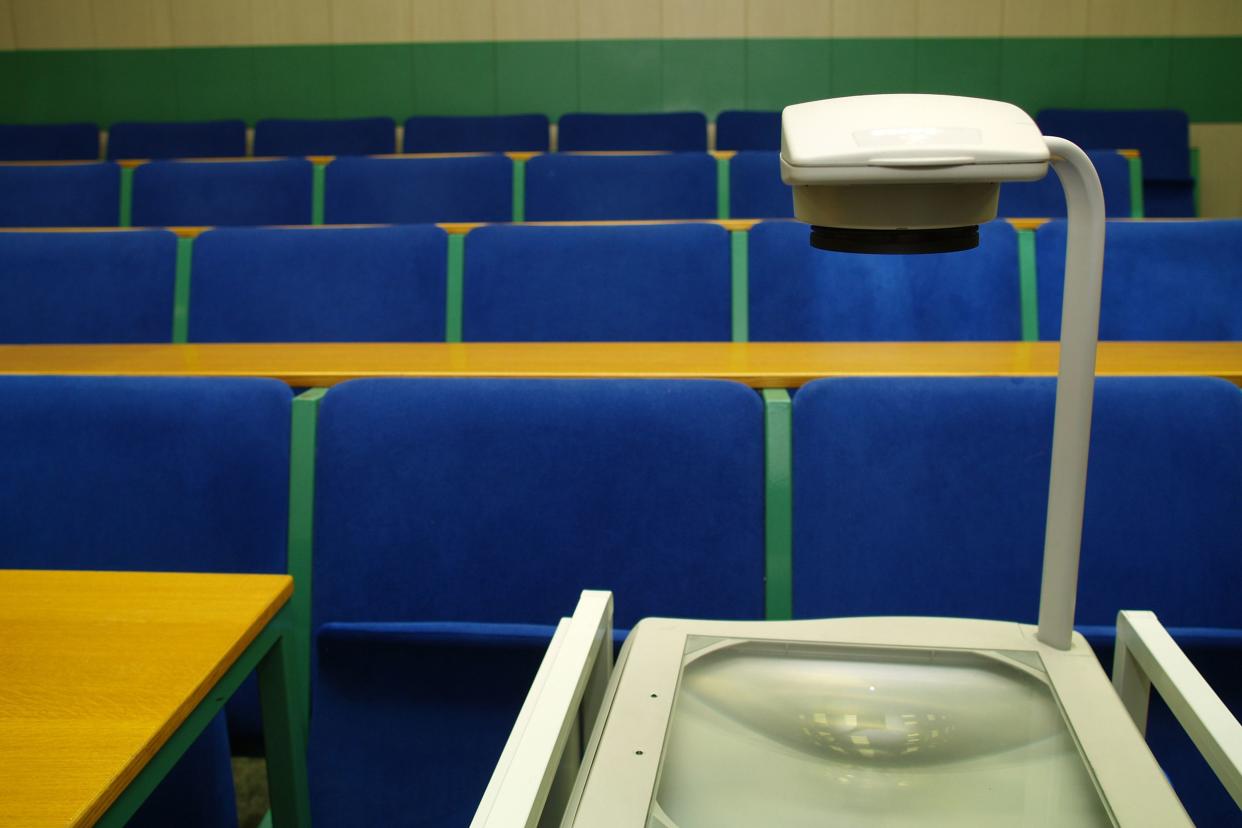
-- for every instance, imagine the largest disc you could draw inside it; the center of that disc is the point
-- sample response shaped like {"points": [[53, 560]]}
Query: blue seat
{"points": [[798, 293], [87, 287], [205, 193], [322, 285], [73, 195], [567, 284], [49, 142], [416, 190], [670, 131], [476, 133], [1045, 198], [149, 474], [204, 139], [755, 186], [1163, 280], [740, 129], [1162, 137], [457, 520], [931, 494], [343, 136], [600, 187]]}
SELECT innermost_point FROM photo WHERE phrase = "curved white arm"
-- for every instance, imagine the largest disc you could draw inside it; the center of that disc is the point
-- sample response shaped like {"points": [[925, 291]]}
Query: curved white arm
{"points": [[1071, 432]]}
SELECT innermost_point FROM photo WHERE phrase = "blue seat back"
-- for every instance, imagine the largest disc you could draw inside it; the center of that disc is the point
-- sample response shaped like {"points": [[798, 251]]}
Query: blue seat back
{"points": [[1162, 136], [671, 131], [49, 142], [324, 285], [204, 139], [1046, 198], [800, 293], [601, 187], [739, 129], [476, 133], [87, 287], [342, 136], [204, 193], [414, 190], [755, 187], [74, 195], [1163, 280], [566, 284]]}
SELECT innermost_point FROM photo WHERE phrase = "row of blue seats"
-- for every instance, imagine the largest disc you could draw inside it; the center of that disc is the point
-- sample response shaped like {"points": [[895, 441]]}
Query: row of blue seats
{"points": [[455, 520], [361, 190], [673, 282]]}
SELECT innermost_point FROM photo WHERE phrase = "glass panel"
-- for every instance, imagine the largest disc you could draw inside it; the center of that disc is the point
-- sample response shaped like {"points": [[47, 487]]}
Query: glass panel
{"points": [[772, 733]]}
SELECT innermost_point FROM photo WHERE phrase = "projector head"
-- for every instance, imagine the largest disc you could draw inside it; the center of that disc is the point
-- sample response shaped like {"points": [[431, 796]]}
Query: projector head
{"points": [[904, 173]]}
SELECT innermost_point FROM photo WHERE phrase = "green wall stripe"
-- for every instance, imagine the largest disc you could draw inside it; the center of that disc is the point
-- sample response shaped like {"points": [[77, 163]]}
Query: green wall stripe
{"points": [[125, 219], [455, 284], [181, 291], [739, 259], [318, 178], [303, 425], [1137, 209], [722, 188], [778, 498], [1027, 286], [519, 189]]}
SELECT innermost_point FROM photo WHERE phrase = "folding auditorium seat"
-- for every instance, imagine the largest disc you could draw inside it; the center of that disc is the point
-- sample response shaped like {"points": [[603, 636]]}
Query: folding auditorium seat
{"points": [[931, 494], [1046, 199], [579, 284], [1163, 280], [415, 190], [669, 131], [476, 133], [755, 186], [69, 195], [185, 475], [49, 142], [87, 287], [1162, 136], [457, 520], [204, 139], [204, 193], [596, 187], [318, 285], [739, 129], [798, 293], [343, 136]]}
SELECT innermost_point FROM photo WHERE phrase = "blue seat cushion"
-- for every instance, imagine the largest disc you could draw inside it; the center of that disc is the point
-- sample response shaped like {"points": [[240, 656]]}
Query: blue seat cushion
{"points": [[205, 193], [476, 133], [1045, 198], [49, 142], [602, 187], [738, 129], [1162, 136], [414, 190], [204, 139], [755, 187], [74, 195], [343, 136], [672, 131]]}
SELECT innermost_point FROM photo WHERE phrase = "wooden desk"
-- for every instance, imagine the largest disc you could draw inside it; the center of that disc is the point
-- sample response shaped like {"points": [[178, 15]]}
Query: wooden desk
{"points": [[107, 677], [758, 364]]}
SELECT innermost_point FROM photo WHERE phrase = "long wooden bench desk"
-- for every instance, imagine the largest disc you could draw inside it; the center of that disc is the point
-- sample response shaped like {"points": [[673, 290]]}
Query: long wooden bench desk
{"points": [[758, 364]]}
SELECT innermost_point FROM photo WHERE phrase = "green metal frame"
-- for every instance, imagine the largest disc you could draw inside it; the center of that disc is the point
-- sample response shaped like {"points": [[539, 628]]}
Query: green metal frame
{"points": [[125, 217], [303, 427], [519, 189], [778, 500], [1028, 286], [181, 291], [722, 188], [1136, 187], [319, 174], [284, 731], [739, 259], [453, 287]]}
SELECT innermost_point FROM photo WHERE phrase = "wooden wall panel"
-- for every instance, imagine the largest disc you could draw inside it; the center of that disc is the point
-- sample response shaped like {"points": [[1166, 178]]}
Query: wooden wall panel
{"points": [[611, 20], [141, 24], [537, 20], [685, 19], [1130, 18], [212, 22], [292, 22], [454, 21], [7, 39], [372, 21], [1220, 167], [788, 18], [53, 24], [959, 18], [874, 18], [1045, 18]]}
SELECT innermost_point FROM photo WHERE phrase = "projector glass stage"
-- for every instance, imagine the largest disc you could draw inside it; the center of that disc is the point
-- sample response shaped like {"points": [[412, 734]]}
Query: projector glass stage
{"points": [[807, 734]]}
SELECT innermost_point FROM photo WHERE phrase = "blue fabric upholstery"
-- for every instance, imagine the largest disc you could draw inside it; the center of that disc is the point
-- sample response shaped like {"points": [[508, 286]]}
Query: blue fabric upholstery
{"points": [[187, 475], [1046, 198], [49, 142], [205, 139], [672, 131], [204, 193], [74, 195], [476, 133], [1169, 199], [495, 502], [415, 190], [566, 284], [930, 495], [343, 136], [755, 187], [800, 293], [738, 129], [87, 287], [325, 285], [600, 187], [1163, 280]]}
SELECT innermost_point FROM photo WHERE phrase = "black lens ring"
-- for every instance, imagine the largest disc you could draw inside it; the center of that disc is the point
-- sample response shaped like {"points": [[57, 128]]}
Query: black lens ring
{"points": [[934, 240]]}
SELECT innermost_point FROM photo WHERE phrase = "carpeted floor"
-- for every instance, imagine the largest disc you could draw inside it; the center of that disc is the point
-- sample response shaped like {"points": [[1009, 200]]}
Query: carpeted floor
{"points": [[250, 784]]}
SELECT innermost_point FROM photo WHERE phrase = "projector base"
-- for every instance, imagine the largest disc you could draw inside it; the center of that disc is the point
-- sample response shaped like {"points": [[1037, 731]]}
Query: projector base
{"points": [[934, 240]]}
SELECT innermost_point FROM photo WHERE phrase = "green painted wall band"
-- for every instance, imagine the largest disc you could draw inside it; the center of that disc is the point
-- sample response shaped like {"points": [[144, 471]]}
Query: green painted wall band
{"points": [[454, 286], [181, 291], [519, 189], [126, 212], [739, 262], [318, 177], [778, 500], [722, 188], [303, 426], [1136, 188], [1028, 285]]}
